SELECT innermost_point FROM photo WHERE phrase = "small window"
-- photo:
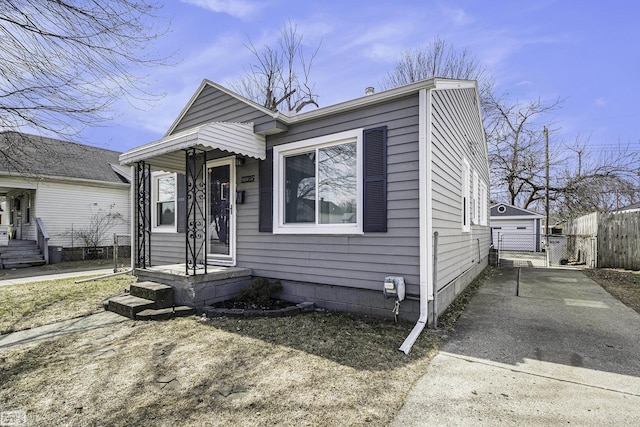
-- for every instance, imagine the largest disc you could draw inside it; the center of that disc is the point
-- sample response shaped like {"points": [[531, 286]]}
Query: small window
{"points": [[164, 202], [502, 209]]}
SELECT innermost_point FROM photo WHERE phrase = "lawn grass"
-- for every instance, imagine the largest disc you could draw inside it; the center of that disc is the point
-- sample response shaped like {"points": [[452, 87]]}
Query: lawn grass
{"points": [[320, 368], [622, 284], [29, 305]]}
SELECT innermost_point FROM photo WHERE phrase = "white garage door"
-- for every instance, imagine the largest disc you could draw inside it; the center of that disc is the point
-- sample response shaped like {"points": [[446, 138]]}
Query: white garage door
{"points": [[514, 235]]}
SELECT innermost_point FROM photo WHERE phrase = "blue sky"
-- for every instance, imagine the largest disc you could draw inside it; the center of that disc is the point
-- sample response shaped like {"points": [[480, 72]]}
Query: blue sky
{"points": [[586, 52]]}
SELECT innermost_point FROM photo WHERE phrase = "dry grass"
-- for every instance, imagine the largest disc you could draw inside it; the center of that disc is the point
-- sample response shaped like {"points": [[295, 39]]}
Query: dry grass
{"points": [[41, 303], [622, 284], [320, 368]]}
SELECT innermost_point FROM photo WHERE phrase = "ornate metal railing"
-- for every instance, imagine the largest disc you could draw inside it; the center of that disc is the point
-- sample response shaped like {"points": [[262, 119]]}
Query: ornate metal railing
{"points": [[196, 206], [143, 214]]}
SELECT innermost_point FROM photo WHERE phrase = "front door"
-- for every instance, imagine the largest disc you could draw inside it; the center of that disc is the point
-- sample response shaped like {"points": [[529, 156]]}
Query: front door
{"points": [[220, 200]]}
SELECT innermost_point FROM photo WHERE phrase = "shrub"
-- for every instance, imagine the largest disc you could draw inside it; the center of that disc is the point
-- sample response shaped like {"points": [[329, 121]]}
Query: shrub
{"points": [[259, 291]]}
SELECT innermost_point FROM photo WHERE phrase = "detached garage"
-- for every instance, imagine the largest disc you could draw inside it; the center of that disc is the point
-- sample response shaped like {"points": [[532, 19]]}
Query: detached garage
{"points": [[515, 229]]}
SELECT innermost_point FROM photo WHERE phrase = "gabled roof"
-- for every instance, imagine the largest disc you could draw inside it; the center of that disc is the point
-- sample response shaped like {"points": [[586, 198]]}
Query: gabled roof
{"points": [[36, 156], [164, 154], [631, 207], [501, 210]]}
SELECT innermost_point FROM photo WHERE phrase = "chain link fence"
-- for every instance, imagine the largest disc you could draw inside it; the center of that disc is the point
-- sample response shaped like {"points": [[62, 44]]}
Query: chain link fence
{"points": [[121, 252]]}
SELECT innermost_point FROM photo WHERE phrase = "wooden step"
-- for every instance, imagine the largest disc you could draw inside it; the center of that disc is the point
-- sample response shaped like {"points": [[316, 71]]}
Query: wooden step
{"points": [[165, 313], [129, 305], [162, 295]]}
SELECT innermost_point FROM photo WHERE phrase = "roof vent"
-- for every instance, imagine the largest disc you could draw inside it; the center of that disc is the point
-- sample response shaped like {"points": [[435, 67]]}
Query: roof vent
{"points": [[370, 90]]}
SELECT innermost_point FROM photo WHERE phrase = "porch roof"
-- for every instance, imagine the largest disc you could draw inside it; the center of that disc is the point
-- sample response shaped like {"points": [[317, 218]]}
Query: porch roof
{"points": [[166, 153]]}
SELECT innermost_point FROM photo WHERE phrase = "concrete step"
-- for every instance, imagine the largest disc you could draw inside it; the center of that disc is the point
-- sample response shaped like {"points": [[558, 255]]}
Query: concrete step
{"points": [[162, 295], [21, 254], [165, 313], [129, 305]]}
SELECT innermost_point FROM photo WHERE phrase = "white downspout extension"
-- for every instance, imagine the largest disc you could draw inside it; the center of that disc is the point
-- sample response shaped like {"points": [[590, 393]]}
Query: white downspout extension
{"points": [[425, 167]]}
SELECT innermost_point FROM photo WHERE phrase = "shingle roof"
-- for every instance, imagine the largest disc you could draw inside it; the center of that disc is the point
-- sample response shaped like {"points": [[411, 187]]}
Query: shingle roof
{"points": [[32, 155]]}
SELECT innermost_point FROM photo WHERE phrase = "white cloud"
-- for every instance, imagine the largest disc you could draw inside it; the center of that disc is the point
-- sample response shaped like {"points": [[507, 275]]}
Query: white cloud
{"points": [[457, 16], [236, 8], [600, 102]]}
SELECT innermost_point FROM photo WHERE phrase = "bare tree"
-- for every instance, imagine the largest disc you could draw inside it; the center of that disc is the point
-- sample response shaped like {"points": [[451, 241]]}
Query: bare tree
{"points": [[100, 223], [597, 180], [516, 147], [64, 63], [581, 180], [279, 79], [439, 59]]}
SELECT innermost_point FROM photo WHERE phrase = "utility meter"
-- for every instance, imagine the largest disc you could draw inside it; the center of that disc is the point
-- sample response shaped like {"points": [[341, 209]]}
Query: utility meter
{"points": [[394, 287]]}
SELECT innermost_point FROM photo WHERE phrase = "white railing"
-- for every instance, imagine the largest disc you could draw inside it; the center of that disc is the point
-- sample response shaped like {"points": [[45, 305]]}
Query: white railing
{"points": [[43, 239]]}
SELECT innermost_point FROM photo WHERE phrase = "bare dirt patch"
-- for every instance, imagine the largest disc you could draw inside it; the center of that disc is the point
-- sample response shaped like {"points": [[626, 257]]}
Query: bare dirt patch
{"points": [[622, 284]]}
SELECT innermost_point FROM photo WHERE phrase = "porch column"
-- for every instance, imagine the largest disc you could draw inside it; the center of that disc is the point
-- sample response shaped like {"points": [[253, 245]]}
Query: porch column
{"points": [[197, 229], [142, 215]]}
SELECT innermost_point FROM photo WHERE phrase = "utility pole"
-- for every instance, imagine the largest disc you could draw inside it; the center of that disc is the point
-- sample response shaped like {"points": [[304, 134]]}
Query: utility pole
{"points": [[546, 167]]}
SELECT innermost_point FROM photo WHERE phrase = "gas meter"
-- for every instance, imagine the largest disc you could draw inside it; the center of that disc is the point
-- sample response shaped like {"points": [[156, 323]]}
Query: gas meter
{"points": [[394, 287]]}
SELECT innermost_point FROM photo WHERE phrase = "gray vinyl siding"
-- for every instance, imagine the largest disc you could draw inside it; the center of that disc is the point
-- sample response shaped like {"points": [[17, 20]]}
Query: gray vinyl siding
{"points": [[359, 261], [167, 248], [456, 130], [213, 105]]}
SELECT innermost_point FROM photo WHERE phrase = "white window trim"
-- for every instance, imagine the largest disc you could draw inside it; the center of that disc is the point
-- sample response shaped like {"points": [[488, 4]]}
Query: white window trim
{"points": [[280, 151], [483, 203], [476, 200], [154, 205], [466, 193]]}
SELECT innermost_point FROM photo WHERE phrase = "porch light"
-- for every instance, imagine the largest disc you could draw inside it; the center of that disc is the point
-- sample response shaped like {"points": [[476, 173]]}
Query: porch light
{"points": [[239, 161]]}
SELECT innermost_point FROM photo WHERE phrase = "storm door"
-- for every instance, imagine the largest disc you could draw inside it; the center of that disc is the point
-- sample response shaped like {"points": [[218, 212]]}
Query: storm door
{"points": [[220, 211]]}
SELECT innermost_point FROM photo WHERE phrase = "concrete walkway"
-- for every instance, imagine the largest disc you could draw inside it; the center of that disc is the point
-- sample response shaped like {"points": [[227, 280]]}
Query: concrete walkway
{"points": [[55, 330], [41, 274], [540, 347]]}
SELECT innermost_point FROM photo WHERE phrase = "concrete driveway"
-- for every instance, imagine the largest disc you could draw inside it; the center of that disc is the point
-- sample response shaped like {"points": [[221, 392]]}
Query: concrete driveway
{"points": [[535, 347]]}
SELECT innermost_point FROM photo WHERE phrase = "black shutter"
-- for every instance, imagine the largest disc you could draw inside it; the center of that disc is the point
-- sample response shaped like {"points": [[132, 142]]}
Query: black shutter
{"points": [[265, 201], [375, 179], [181, 203]]}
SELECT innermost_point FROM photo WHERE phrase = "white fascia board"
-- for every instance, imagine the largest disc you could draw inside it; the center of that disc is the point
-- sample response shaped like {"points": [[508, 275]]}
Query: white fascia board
{"points": [[512, 217], [376, 98]]}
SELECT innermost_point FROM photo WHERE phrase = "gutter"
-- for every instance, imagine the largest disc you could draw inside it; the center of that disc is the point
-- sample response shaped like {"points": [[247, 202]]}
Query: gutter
{"points": [[425, 168]]}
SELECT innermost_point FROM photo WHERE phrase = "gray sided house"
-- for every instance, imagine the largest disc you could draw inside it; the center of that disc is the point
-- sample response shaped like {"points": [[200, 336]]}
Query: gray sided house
{"points": [[330, 202], [52, 189], [516, 229]]}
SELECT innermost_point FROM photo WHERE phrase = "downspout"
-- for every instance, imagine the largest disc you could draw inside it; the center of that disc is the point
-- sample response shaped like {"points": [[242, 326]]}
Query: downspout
{"points": [[425, 168]]}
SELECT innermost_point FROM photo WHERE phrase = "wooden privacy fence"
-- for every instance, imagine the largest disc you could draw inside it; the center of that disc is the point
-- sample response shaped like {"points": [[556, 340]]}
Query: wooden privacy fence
{"points": [[606, 240]]}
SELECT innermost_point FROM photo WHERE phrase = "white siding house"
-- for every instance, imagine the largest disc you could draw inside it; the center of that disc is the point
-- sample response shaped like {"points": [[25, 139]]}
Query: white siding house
{"points": [[60, 188], [330, 202]]}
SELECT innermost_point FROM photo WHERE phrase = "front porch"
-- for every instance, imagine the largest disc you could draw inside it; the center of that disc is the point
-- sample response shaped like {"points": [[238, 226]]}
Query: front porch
{"points": [[198, 287]]}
